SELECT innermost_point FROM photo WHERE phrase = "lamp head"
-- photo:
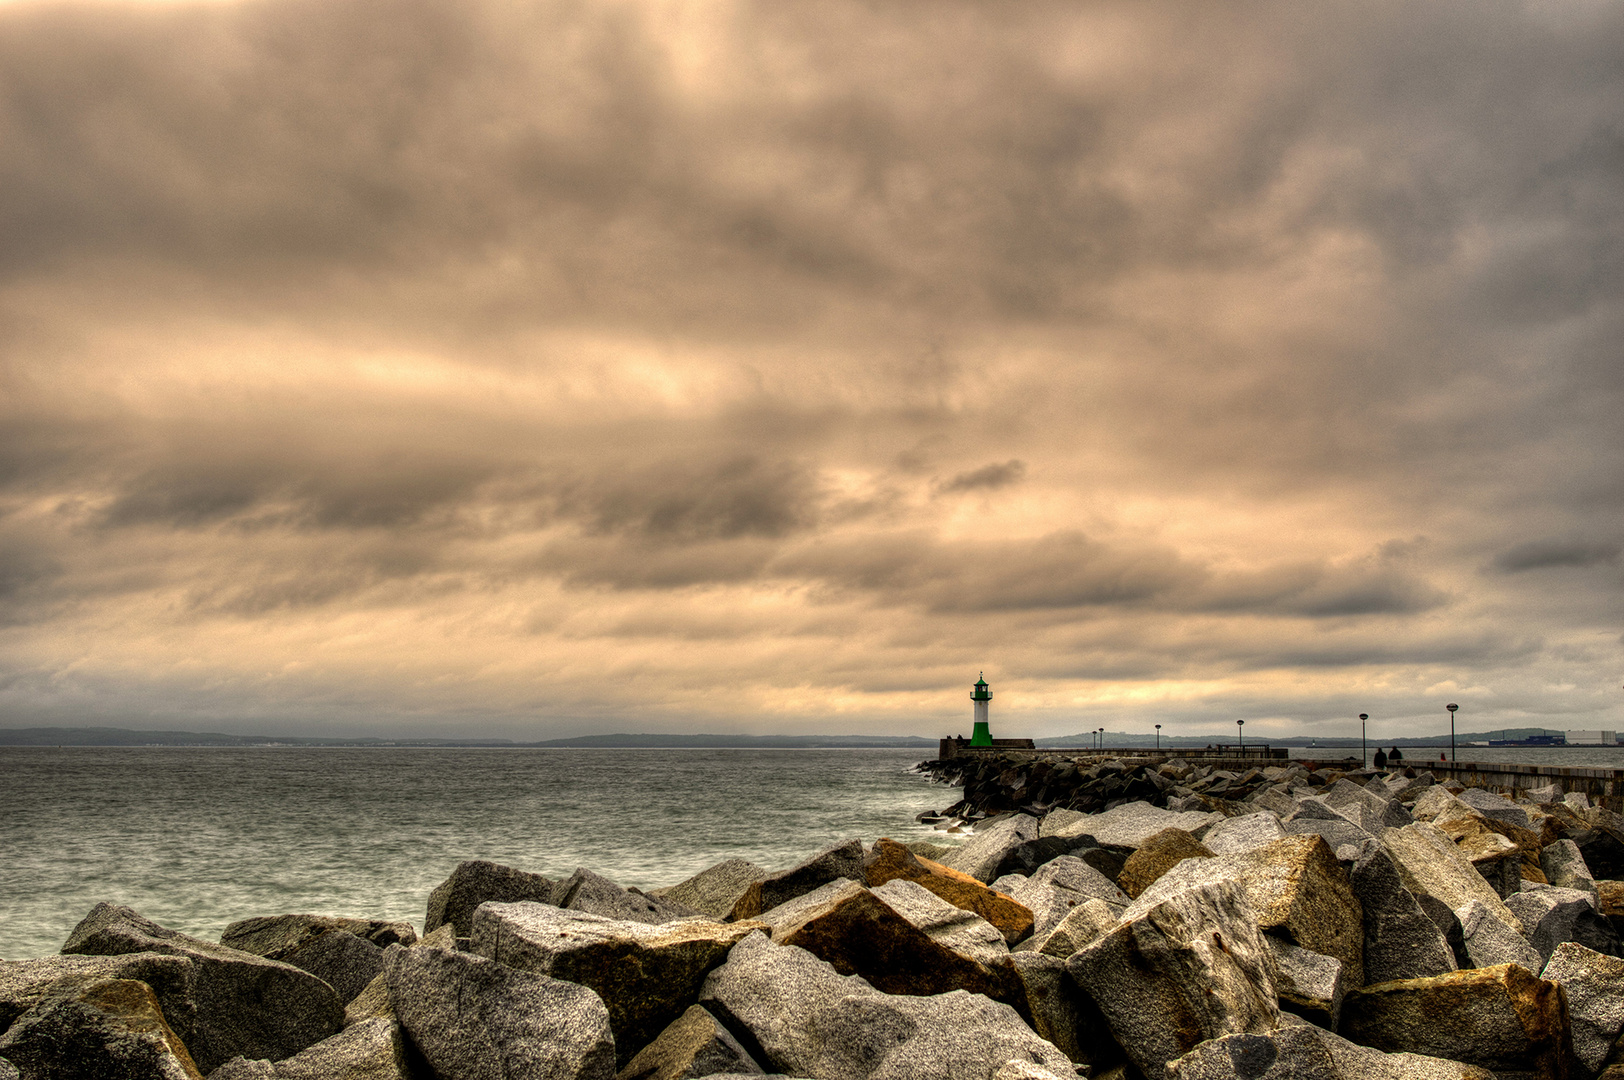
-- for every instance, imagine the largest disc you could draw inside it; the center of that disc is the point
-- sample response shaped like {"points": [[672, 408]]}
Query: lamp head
{"points": [[1451, 706]]}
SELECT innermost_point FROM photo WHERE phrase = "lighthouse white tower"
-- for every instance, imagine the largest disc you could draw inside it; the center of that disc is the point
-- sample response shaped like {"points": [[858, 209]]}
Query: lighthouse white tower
{"points": [[981, 695]]}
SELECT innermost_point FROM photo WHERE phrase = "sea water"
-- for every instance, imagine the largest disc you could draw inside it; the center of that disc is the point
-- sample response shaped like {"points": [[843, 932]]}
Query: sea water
{"points": [[195, 838]]}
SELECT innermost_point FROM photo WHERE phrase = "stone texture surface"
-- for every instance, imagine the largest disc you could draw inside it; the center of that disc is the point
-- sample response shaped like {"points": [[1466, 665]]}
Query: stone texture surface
{"points": [[807, 1019], [475, 1019], [1487, 941], [1156, 856], [646, 975], [1362, 805], [1501, 1018], [345, 962], [99, 1028], [173, 979], [1244, 833], [1189, 967], [1441, 879], [859, 933], [1564, 866], [1131, 824], [1058, 1010], [694, 1045], [371, 1003], [1603, 849], [1438, 801], [1298, 890], [1082, 926], [246, 1005], [1552, 916], [842, 860], [374, 1050], [1309, 983], [597, 895], [472, 883], [1400, 940], [716, 889], [276, 936], [1059, 886], [1593, 984], [1489, 804], [960, 931], [1303, 1052], [890, 861], [983, 854]]}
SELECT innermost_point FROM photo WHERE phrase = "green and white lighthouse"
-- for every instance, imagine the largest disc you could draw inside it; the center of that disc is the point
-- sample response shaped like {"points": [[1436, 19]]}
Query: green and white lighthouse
{"points": [[981, 695]]}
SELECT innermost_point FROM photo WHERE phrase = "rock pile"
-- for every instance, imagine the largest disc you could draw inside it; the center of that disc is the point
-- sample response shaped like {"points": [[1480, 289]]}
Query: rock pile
{"points": [[1291, 925]]}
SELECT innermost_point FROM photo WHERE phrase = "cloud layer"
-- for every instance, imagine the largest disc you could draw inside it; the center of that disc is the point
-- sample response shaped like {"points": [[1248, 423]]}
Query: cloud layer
{"points": [[536, 369]]}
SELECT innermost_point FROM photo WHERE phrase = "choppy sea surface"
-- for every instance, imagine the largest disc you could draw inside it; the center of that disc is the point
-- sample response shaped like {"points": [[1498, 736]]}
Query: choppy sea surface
{"points": [[196, 838]]}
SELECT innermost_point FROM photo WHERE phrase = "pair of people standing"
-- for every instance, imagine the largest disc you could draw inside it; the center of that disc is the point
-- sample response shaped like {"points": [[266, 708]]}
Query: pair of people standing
{"points": [[1383, 758]]}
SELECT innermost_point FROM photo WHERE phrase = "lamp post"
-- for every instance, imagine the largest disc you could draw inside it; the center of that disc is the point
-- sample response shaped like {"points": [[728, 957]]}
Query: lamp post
{"points": [[1452, 707], [1102, 740], [1362, 718], [1158, 737], [1240, 731]]}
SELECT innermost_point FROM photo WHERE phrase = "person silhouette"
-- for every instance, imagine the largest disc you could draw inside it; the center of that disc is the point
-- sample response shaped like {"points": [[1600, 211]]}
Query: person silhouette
{"points": [[1396, 758], [1381, 758]]}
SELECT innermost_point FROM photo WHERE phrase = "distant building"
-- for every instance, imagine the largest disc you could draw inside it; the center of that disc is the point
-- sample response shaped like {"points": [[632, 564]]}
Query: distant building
{"points": [[1592, 738]]}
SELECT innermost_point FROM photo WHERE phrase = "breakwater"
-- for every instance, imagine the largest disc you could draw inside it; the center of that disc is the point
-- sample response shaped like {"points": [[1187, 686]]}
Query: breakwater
{"points": [[1201, 923]]}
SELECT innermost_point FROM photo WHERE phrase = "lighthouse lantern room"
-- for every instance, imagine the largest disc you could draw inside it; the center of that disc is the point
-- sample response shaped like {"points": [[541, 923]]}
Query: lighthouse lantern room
{"points": [[981, 695]]}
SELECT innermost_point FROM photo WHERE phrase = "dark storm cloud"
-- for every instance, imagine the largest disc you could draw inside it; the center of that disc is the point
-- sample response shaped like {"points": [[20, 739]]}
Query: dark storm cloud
{"points": [[1545, 554], [1110, 342]]}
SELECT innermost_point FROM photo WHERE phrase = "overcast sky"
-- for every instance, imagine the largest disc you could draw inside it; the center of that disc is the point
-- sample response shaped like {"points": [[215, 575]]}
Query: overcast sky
{"points": [[528, 368]]}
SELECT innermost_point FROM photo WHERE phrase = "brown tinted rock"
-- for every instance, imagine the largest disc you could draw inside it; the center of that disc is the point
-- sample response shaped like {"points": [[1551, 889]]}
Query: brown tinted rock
{"points": [[371, 1003], [109, 1028], [1440, 877], [246, 1005], [842, 861], [1501, 1018], [1156, 856], [857, 932], [695, 1045], [276, 936], [1301, 1051], [646, 975], [891, 861], [1188, 967], [25, 983], [1299, 891], [373, 1050], [1082, 926], [455, 899]]}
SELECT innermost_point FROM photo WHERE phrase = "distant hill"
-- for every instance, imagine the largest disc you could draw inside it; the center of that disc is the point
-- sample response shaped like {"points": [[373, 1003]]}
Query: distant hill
{"points": [[101, 736]]}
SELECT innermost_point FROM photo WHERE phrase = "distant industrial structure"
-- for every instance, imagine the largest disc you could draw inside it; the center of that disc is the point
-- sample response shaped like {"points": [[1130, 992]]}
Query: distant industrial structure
{"points": [[1564, 738]]}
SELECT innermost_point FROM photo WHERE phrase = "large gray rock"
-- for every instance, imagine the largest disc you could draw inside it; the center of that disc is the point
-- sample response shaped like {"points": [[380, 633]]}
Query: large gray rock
{"points": [[1487, 941], [647, 975], [25, 983], [809, 1020], [597, 895], [342, 960], [372, 1050], [1184, 967], [983, 854], [1081, 927], [1491, 805], [1298, 891], [1309, 983], [715, 890], [1501, 1018], [1564, 866], [1131, 824], [1364, 807], [695, 1045], [948, 925], [275, 937], [1304, 1052], [1245, 833], [112, 1028], [1058, 1010], [471, 884], [1441, 879], [1438, 802], [860, 933], [1400, 940], [1061, 885], [843, 860], [1552, 916], [475, 1019], [246, 1005], [1594, 987]]}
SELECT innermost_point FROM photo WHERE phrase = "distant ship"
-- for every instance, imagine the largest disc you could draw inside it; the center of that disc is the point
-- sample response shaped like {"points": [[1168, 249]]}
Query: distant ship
{"points": [[1532, 740]]}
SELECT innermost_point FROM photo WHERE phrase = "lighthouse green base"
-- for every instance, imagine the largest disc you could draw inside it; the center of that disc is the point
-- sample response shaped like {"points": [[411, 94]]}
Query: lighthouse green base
{"points": [[981, 736]]}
